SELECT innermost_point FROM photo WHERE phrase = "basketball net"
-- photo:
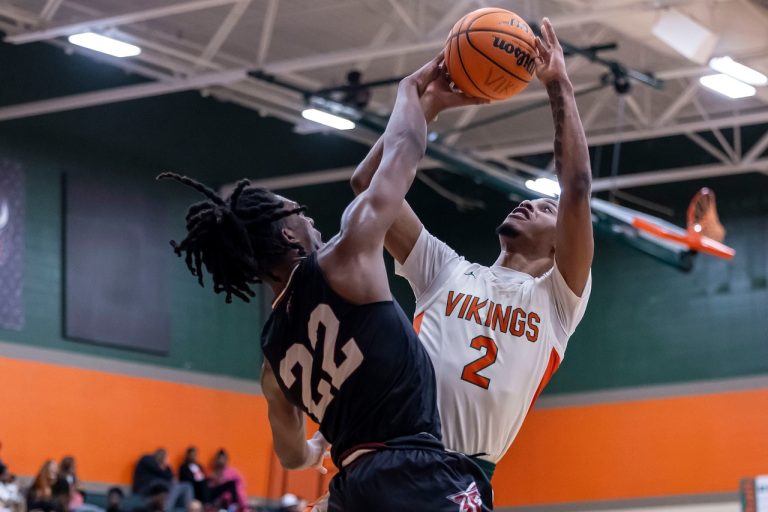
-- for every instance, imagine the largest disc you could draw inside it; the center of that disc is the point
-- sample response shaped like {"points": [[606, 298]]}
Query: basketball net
{"points": [[702, 216]]}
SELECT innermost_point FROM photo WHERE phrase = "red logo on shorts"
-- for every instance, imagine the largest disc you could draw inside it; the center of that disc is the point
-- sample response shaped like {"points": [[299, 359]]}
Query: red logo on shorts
{"points": [[468, 500]]}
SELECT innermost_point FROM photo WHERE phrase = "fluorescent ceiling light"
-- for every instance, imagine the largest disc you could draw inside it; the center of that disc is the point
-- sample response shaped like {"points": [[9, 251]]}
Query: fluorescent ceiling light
{"points": [[684, 35], [727, 86], [104, 44], [327, 119], [737, 70], [544, 186]]}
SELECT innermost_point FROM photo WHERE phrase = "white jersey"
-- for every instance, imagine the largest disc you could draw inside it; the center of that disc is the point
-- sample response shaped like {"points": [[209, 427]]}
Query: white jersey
{"points": [[495, 337]]}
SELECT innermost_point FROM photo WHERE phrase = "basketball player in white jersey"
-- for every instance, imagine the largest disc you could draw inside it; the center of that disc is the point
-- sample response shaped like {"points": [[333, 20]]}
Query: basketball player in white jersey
{"points": [[497, 333]]}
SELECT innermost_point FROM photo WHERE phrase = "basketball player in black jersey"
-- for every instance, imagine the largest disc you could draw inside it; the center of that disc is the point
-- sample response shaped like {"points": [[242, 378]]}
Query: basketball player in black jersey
{"points": [[336, 346]]}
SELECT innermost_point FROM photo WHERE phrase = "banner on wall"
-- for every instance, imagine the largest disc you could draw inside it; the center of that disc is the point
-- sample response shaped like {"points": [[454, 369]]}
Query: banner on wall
{"points": [[11, 245]]}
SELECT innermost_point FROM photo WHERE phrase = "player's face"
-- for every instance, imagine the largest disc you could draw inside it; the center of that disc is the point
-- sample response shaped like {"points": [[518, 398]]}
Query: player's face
{"points": [[531, 220], [302, 227]]}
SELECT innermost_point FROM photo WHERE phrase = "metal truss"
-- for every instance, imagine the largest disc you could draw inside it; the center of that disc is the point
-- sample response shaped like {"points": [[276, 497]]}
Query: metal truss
{"points": [[182, 65]]}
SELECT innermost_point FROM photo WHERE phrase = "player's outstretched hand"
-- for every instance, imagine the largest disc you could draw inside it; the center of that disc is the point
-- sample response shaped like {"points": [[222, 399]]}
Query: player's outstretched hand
{"points": [[317, 448], [550, 63], [425, 75], [439, 96]]}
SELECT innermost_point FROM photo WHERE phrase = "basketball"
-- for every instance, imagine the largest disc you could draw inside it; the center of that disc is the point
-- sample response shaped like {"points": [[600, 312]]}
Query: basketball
{"points": [[490, 54]]}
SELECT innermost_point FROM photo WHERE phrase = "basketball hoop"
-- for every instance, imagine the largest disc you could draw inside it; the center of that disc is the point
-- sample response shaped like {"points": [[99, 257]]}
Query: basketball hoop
{"points": [[704, 232]]}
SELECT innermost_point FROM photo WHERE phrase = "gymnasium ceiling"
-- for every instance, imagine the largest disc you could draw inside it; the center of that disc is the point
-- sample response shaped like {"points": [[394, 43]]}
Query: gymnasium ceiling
{"points": [[210, 45]]}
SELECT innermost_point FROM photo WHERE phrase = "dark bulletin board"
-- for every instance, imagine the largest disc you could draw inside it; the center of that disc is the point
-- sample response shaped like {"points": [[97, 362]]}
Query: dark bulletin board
{"points": [[116, 254], [11, 245]]}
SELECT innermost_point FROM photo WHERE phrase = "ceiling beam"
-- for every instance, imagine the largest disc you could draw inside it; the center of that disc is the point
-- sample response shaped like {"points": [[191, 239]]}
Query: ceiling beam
{"points": [[118, 94], [113, 21], [644, 179], [677, 105], [350, 55], [225, 29], [404, 16], [757, 149], [709, 148], [267, 29], [432, 44], [451, 16], [49, 11], [533, 148]]}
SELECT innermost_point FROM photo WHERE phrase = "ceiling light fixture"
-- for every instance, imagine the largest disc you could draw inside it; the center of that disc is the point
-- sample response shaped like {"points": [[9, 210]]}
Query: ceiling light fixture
{"points": [[738, 71], [327, 119], [104, 44], [727, 86]]}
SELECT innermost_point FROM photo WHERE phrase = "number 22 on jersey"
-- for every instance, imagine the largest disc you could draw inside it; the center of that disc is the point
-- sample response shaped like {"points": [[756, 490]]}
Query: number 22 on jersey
{"points": [[471, 371], [299, 355]]}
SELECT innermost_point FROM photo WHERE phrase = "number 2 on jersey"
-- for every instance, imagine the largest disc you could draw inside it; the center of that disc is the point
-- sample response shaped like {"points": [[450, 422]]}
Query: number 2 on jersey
{"points": [[470, 373]]}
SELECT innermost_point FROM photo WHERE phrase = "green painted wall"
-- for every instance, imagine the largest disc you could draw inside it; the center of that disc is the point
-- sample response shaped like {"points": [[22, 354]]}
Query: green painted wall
{"points": [[129, 143], [207, 336], [646, 323]]}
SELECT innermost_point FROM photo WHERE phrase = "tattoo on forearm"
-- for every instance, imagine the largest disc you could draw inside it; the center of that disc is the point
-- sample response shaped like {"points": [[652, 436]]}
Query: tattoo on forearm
{"points": [[557, 102]]}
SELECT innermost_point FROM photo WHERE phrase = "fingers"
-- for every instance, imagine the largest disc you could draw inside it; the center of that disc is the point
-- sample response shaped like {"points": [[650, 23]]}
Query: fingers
{"points": [[548, 31], [476, 101], [542, 47]]}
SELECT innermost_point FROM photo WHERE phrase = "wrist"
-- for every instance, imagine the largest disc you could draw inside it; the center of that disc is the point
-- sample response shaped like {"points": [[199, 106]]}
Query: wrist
{"points": [[558, 84]]}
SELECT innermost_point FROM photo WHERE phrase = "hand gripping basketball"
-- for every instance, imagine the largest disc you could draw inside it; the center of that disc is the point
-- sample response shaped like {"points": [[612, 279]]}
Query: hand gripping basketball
{"points": [[423, 76]]}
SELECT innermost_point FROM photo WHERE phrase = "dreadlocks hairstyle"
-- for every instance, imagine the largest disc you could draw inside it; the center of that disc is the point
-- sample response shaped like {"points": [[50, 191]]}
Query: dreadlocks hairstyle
{"points": [[238, 240]]}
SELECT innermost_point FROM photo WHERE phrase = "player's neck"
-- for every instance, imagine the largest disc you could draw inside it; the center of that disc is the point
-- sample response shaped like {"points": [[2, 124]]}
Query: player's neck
{"points": [[532, 265], [283, 273]]}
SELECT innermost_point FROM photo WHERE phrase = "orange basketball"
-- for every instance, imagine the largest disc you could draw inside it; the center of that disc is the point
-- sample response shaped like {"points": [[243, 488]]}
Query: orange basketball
{"points": [[490, 54]]}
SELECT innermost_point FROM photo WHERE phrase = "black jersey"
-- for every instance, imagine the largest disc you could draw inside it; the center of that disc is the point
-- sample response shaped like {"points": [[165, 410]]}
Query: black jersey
{"points": [[358, 371]]}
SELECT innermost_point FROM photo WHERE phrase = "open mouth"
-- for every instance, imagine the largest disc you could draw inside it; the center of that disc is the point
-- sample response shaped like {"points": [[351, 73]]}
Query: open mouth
{"points": [[521, 213]]}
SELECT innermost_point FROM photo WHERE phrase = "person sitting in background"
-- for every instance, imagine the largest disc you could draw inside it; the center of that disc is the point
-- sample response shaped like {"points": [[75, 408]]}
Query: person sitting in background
{"points": [[155, 499], [11, 499], [40, 493], [205, 492], [61, 495], [77, 495], [224, 473], [115, 497], [154, 469]]}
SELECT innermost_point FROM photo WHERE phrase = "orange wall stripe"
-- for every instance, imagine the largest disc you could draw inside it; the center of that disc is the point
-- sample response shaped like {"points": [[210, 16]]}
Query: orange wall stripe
{"points": [[649, 448], [107, 421]]}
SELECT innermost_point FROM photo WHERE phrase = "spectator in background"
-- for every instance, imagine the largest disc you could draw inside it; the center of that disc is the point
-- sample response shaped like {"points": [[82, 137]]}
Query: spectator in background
{"points": [[153, 469], [223, 473], [115, 497], [155, 498], [11, 499], [206, 492], [61, 493], [77, 496], [40, 493]]}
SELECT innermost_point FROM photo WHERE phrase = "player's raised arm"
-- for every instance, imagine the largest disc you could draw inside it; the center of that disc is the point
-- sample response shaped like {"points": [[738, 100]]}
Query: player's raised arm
{"points": [[404, 232], [574, 243]]}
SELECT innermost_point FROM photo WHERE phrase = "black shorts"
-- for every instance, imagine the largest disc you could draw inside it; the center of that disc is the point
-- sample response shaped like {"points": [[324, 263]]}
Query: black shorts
{"points": [[411, 474]]}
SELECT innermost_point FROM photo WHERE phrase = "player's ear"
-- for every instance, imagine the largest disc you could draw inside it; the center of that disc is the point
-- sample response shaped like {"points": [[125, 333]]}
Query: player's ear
{"points": [[288, 234]]}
